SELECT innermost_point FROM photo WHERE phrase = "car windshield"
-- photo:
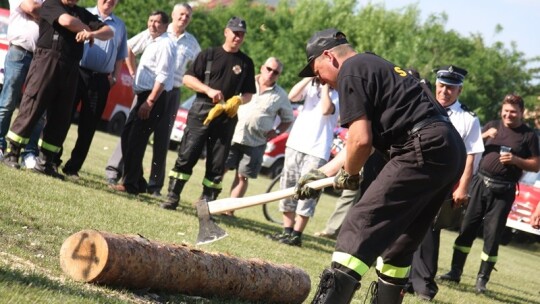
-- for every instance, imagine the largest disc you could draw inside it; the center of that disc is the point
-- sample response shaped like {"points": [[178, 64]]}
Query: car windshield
{"points": [[531, 178]]}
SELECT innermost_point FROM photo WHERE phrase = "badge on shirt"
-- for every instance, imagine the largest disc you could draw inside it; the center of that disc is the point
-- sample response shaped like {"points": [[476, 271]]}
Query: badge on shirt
{"points": [[237, 69]]}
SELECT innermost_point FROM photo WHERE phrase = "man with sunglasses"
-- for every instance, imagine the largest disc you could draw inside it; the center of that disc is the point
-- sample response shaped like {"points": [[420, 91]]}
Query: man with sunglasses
{"points": [[387, 109], [256, 126], [224, 78]]}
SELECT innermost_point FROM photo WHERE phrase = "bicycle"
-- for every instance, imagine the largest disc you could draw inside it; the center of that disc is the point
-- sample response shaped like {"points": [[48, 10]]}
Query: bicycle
{"points": [[271, 210]]}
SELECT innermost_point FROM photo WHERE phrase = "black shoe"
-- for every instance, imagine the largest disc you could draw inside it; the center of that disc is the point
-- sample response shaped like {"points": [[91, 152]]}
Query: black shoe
{"points": [[278, 237], [451, 276], [292, 241], [11, 161], [48, 170], [71, 174], [169, 205]]}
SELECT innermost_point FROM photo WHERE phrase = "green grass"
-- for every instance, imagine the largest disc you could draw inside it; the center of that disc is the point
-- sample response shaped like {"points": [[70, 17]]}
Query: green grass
{"points": [[38, 213]]}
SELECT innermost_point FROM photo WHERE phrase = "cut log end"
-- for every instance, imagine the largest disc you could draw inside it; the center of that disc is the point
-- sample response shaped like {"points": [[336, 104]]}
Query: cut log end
{"points": [[84, 255]]}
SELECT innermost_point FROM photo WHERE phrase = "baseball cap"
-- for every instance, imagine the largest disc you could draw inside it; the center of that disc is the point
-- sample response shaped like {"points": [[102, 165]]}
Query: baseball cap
{"points": [[451, 75], [318, 43], [237, 24]]}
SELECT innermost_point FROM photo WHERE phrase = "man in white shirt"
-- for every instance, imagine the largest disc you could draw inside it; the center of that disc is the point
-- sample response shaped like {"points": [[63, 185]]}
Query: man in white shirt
{"points": [[154, 77], [23, 32]]}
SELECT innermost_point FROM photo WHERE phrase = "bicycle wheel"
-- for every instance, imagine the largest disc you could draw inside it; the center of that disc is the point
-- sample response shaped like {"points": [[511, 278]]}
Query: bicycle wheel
{"points": [[271, 210]]}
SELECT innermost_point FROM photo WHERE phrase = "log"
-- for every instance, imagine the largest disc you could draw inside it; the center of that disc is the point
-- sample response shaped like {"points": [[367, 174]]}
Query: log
{"points": [[133, 262]]}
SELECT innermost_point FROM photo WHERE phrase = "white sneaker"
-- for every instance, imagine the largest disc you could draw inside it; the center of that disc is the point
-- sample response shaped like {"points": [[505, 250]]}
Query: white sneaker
{"points": [[29, 161]]}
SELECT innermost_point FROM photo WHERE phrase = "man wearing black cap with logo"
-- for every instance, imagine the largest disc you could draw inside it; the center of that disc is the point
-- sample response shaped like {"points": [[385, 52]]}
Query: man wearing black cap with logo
{"points": [[224, 78], [448, 87], [387, 109]]}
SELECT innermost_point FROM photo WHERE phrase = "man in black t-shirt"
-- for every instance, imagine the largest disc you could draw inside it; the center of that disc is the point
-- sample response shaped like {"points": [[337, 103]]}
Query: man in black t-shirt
{"points": [[52, 80], [387, 109], [510, 148], [224, 78]]}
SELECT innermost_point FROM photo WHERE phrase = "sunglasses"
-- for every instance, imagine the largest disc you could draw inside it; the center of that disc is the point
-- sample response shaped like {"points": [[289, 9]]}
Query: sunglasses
{"points": [[270, 70]]}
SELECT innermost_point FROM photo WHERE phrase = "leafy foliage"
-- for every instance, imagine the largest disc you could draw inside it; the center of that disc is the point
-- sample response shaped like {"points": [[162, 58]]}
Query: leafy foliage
{"points": [[397, 35]]}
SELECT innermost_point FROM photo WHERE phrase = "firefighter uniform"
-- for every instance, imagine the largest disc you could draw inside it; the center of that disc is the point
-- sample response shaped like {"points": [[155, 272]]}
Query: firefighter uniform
{"points": [[233, 74], [493, 191], [426, 158], [51, 85]]}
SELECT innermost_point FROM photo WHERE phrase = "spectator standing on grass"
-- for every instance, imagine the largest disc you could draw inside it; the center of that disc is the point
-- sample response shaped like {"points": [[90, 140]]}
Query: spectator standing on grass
{"points": [[22, 34], [224, 78], [187, 50], [98, 72], [510, 148], [308, 147], [387, 109], [153, 79], [255, 126], [52, 81], [448, 87]]}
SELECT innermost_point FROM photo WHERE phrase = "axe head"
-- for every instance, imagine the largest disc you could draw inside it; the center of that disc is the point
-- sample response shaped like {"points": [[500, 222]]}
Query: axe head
{"points": [[209, 231]]}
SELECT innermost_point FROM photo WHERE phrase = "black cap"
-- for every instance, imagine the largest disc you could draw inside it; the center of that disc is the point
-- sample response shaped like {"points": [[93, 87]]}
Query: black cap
{"points": [[317, 44], [451, 75], [237, 24]]}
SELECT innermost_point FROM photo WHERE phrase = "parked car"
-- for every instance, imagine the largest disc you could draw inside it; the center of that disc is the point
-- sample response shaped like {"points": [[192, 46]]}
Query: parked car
{"points": [[518, 224]]}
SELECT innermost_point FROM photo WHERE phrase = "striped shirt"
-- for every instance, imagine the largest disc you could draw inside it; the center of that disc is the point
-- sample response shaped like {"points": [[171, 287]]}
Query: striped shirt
{"points": [[187, 49], [156, 64]]}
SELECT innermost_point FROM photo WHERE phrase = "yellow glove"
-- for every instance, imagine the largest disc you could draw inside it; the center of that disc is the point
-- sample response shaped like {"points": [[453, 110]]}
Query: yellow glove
{"points": [[215, 112], [231, 106]]}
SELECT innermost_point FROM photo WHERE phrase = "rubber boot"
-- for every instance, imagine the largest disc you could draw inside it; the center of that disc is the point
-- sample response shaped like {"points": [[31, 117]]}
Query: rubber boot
{"points": [[173, 196], [13, 153], [46, 164], [483, 276], [458, 261], [209, 194], [387, 293], [335, 287]]}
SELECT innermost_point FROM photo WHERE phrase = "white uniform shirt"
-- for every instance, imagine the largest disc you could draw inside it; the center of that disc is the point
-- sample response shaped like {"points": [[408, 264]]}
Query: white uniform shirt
{"points": [[313, 132], [187, 49], [468, 127], [156, 64], [22, 30]]}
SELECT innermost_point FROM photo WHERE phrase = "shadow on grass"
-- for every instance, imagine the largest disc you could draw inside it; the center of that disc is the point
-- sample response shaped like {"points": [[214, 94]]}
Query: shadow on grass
{"points": [[513, 298]]}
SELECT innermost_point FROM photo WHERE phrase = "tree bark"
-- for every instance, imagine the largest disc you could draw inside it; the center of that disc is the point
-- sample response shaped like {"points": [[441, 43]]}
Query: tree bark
{"points": [[132, 261]]}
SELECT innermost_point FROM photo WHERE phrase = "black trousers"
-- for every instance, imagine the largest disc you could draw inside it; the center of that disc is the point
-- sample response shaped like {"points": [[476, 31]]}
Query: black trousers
{"points": [[493, 209], [92, 92], [50, 86], [424, 264], [217, 136], [134, 140], [393, 215]]}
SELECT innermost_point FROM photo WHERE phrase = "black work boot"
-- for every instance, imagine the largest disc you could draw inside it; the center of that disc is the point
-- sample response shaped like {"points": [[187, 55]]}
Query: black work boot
{"points": [[483, 276], [11, 158], [458, 261], [387, 293], [46, 164], [173, 196], [335, 287], [209, 194]]}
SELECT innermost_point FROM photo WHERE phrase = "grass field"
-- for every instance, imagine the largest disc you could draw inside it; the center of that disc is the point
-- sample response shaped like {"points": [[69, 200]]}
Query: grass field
{"points": [[38, 213]]}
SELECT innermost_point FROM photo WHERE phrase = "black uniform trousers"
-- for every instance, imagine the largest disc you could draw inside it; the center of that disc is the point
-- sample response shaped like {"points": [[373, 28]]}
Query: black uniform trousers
{"points": [[50, 86], [217, 136], [425, 263], [92, 91], [134, 140], [490, 206], [393, 215]]}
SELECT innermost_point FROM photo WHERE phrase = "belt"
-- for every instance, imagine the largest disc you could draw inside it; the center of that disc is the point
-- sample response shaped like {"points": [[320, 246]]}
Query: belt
{"points": [[20, 48], [93, 72], [426, 122], [489, 178]]}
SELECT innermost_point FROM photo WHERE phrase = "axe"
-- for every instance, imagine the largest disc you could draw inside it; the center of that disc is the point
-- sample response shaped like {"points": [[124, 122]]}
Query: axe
{"points": [[209, 231]]}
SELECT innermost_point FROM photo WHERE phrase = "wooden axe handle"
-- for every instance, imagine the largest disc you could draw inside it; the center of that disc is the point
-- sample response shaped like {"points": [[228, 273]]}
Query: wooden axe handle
{"points": [[231, 203]]}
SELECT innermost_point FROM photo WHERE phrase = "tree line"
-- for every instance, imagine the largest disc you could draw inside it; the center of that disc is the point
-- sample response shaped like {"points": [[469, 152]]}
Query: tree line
{"points": [[397, 35]]}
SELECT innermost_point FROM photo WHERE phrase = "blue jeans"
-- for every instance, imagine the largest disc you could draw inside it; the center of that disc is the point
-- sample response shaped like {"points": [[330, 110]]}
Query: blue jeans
{"points": [[17, 64]]}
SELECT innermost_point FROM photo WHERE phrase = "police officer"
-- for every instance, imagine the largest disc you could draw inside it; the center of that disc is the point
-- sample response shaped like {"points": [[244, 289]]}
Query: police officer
{"points": [[388, 109], [510, 147], [448, 87], [52, 80], [223, 77]]}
